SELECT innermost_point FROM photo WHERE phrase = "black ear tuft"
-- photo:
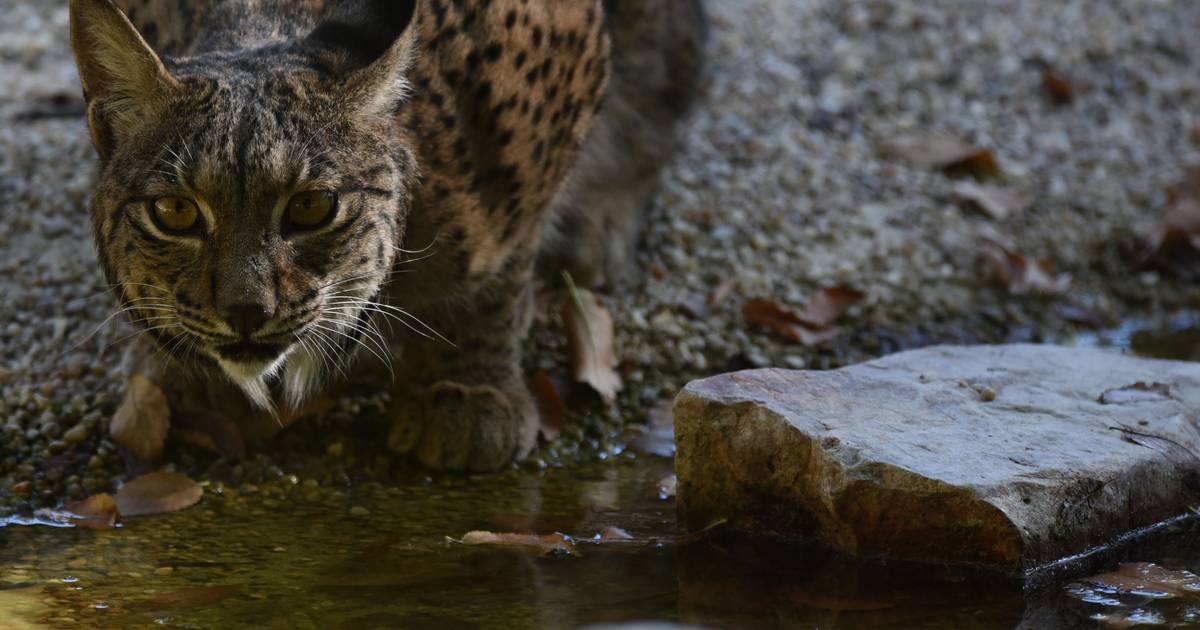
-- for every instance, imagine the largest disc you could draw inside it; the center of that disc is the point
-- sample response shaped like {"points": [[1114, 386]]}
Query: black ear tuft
{"points": [[364, 30]]}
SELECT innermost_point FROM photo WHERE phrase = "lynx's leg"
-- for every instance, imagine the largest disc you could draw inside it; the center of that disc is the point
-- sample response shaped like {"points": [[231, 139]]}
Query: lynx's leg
{"points": [[466, 406], [657, 49]]}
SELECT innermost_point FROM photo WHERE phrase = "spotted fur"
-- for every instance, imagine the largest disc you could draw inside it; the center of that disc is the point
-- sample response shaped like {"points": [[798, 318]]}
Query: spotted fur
{"points": [[466, 140]]}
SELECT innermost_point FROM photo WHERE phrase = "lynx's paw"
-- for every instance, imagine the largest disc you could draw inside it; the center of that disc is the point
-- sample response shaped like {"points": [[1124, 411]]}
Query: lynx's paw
{"points": [[465, 427]]}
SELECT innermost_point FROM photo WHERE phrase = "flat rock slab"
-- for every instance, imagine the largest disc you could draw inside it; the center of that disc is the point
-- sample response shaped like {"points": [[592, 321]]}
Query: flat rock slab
{"points": [[1009, 457]]}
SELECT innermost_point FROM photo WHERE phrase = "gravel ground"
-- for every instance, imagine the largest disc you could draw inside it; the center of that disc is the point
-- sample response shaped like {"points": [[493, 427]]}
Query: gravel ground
{"points": [[779, 185]]}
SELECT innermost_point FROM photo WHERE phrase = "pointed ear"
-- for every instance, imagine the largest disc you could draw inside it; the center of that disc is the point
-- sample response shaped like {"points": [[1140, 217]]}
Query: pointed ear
{"points": [[374, 41], [124, 81]]}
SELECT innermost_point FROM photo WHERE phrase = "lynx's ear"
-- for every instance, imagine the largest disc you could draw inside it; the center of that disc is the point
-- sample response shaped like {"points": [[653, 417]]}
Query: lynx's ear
{"points": [[124, 81], [375, 42]]}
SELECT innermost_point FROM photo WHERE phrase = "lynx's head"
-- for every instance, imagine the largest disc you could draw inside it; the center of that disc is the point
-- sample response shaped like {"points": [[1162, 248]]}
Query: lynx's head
{"points": [[250, 202]]}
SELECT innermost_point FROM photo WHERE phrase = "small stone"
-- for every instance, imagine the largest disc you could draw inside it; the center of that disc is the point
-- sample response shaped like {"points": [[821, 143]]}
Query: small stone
{"points": [[164, 571], [335, 450], [22, 488], [75, 434], [987, 394], [359, 510]]}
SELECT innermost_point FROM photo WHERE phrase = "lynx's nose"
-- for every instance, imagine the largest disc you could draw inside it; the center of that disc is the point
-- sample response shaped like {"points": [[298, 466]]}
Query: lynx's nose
{"points": [[245, 319]]}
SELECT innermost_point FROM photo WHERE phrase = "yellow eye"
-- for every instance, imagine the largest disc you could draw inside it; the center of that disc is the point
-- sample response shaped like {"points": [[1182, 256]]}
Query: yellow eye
{"points": [[176, 214], [311, 209]]}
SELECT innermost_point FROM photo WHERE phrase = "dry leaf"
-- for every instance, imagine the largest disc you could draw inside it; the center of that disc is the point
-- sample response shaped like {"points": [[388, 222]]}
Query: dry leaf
{"points": [[590, 344], [934, 150], [1136, 393], [158, 493], [194, 597], [1061, 91], [140, 424], [1172, 243], [785, 323], [1196, 134], [828, 306], [994, 201], [548, 545], [1020, 275], [1149, 580], [98, 511], [552, 411]]}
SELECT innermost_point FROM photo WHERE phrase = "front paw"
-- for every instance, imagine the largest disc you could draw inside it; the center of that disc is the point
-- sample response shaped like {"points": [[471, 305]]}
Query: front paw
{"points": [[465, 427]]}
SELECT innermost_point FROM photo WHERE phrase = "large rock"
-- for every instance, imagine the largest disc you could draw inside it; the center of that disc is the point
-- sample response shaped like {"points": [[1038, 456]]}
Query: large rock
{"points": [[1002, 456]]}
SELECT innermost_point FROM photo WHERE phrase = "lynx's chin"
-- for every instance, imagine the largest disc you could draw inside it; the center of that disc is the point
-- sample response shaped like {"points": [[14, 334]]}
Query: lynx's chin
{"points": [[299, 372]]}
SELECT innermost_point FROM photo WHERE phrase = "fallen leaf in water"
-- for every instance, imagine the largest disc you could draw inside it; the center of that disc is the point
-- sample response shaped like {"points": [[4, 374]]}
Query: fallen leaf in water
{"points": [[590, 344], [786, 323], [1136, 393], [98, 511], [551, 409], [1060, 90], [994, 201], [1149, 580], [547, 545], [194, 597], [158, 493], [140, 424], [940, 151], [1017, 273]]}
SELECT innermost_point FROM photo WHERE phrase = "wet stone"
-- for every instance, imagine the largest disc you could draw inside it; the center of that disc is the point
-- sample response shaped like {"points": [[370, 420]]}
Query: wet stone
{"points": [[902, 457]]}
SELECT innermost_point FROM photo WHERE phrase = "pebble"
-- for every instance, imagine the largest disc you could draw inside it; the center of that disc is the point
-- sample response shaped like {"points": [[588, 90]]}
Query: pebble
{"points": [[359, 510]]}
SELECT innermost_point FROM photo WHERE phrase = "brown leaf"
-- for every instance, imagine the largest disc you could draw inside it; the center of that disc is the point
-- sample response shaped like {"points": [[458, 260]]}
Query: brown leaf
{"points": [[940, 151], [1136, 393], [828, 306], [1172, 243], [1196, 134], [194, 597], [786, 323], [1060, 90], [158, 493], [993, 201], [552, 410], [140, 424], [548, 545], [590, 345], [1145, 577], [1017, 273], [98, 511]]}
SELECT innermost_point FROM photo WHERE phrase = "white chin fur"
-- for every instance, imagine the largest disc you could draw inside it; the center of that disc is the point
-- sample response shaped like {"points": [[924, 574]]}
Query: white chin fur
{"points": [[301, 375]]}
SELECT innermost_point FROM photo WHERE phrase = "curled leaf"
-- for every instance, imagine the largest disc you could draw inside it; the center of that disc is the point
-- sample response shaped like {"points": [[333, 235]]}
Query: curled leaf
{"points": [[590, 344], [940, 151], [140, 424], [786, 323], [996, 202], [158, 493], [1017, 273]]}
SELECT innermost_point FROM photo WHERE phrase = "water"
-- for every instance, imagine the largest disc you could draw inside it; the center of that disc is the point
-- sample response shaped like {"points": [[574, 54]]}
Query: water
{"points": [[294, 554]]}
